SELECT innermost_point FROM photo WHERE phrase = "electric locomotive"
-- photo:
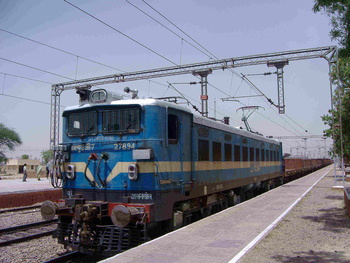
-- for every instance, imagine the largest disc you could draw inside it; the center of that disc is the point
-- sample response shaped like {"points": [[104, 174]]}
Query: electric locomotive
{"points": [[133, 167]]}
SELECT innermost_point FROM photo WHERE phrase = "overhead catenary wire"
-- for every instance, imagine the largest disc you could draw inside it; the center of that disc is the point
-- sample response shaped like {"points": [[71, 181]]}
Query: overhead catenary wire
{"points": [[31, 100], [144, 45], [21, 98], [183, 96], [280, 116], [182, 39], [172, 86], [120, 32], [244, 78], [179, 29], [180, 63], [209, 54], [7, 74], [42, 70], [129, 37], [174, 63], [266, 74], [61, 50]]}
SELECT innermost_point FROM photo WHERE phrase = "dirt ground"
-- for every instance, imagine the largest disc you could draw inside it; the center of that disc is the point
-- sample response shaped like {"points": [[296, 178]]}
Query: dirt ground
{"points": [[316, 230]]}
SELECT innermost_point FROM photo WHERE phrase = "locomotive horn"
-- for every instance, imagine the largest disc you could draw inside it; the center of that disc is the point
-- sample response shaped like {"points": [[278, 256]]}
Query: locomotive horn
{"points": [[134, 92]]}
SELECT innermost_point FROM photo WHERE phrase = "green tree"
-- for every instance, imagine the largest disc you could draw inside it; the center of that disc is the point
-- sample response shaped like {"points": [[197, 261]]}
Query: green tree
{"points": [[25, 156], [341, 108], [9, 139], [339, 13], [339, 119], [47, 155]]}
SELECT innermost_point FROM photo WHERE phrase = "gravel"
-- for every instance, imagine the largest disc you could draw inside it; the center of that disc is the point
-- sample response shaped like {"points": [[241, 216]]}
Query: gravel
{"points": [[316, 230], [37, 250], [10, 219]]}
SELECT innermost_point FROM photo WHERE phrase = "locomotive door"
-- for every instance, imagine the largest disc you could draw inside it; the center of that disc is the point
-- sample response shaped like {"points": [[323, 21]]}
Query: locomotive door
{"points": [[179, 144]]}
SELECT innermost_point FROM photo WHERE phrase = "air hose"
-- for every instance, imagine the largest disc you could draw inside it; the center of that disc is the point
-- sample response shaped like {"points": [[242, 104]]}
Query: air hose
{"points": [[105, 157], [56, 176], [92, 156]]}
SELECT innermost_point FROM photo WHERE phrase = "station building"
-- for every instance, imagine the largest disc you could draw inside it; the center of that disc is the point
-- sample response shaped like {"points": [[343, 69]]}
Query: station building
{"points": [[15, 166]]}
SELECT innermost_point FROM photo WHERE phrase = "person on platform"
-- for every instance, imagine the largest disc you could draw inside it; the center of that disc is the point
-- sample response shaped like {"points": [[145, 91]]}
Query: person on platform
{"points": [[47, 171], [38, 172], [25, 175]]}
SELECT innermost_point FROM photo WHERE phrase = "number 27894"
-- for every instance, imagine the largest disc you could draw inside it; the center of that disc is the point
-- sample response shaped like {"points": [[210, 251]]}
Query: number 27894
{"points": [[124, 146]]}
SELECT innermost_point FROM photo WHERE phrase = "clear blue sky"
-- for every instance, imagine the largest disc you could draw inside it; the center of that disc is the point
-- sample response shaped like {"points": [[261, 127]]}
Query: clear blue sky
{"points": [[227, 28]]}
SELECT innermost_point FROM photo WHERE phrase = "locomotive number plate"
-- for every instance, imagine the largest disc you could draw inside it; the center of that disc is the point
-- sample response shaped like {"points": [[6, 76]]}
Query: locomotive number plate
{"points": [[124, 146]]}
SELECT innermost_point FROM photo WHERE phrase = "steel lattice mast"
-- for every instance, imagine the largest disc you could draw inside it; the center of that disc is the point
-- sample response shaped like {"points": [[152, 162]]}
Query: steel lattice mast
{"points": [[202, 69]]}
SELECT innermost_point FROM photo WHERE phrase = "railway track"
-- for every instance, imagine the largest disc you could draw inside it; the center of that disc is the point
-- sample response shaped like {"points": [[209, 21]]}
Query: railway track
{"points": [[16, 209], [26, 232]]}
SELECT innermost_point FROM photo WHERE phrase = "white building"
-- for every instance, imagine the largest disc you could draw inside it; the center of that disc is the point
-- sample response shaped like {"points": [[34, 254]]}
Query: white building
{"points": [[15, 166]]}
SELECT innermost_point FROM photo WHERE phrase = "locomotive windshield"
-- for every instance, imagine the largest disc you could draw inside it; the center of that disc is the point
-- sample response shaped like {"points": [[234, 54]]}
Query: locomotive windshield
{"points": [[82, 123], [111, 121], [121, 120]]}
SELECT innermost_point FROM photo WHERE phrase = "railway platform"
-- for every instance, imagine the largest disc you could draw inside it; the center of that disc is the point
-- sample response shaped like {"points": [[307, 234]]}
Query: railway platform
{"points": [[14, 192], [229, 235]]}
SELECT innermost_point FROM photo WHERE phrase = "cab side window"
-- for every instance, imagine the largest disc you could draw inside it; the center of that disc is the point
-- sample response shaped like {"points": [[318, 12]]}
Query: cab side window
{"points": [[173, 129]]}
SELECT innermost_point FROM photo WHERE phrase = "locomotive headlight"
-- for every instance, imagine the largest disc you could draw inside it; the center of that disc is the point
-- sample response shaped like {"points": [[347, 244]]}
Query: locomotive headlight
{"points": [[99, 95], [133, 171], [71, 171]]}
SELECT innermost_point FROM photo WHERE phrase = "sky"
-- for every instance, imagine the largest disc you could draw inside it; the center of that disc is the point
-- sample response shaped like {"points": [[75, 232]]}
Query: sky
{"points": [[48, 42]]}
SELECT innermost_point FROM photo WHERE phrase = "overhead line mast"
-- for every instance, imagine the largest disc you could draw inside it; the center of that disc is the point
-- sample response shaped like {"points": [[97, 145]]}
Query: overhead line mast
{"points": [[303, 137], [328, 53]]}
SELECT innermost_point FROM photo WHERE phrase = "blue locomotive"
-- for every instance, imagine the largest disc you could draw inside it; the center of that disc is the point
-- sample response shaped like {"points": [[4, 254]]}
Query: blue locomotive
{"points": [[131, 168]]}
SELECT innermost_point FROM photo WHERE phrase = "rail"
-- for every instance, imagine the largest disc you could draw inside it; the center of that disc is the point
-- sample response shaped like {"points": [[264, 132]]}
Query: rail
{"points": [[26, 232]]}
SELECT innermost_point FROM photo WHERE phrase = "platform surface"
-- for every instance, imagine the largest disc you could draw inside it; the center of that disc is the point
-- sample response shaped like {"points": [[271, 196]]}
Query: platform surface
{"points": [[16, 185], [222, 237]]}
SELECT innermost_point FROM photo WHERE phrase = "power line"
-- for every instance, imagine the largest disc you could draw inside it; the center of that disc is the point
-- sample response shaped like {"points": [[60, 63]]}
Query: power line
{"points": [[280, 116], [99, 20], [179, 29], [7, 74], [166, 28], [146, 46], [61, 50], [37, 101], [244, 78], [265, 74], [36, 68], [178, 36], [128, 37]]}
